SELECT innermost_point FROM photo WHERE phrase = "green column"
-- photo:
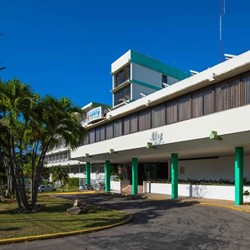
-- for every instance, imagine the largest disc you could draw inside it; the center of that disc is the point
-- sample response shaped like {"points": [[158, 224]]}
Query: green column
{"points": [[238, 175], [134, 176], [174, 176], [88, 173], [107, 176]]}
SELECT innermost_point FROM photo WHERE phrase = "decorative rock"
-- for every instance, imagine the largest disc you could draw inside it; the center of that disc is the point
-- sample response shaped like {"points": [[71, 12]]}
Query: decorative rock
{"points": [[77, 210]]}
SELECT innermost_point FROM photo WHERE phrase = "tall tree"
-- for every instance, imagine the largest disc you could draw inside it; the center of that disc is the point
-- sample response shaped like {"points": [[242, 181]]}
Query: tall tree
{"points": [[32, 125]]}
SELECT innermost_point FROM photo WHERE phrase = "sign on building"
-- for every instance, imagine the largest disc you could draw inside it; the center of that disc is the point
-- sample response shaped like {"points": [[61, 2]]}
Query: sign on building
{"points": [[94, 114]]}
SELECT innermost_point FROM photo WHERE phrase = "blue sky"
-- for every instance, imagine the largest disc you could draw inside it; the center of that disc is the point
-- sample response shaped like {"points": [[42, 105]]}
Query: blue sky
{"points": [[65, 48]]}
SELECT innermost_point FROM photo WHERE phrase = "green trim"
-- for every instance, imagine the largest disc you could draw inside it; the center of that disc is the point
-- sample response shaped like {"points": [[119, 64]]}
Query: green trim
{"points": [[174, 176], [145, 84], [107, 176], [88, 173], [156, 65], [134, 176], [239, 168]]}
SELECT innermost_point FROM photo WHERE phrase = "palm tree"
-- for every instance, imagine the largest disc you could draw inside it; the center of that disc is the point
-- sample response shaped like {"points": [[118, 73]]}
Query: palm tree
{"points": [[16, 101], [59, 174], [33, 125], [55, 119]]}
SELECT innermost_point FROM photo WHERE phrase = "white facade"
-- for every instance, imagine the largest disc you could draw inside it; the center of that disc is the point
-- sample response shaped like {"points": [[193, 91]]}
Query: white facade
{"points": [[144, 75], [224, 88], [61, 154]]}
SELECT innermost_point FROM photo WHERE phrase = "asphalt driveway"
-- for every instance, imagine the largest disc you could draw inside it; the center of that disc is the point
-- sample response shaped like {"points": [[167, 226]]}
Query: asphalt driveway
{"points": [[162, 224]]}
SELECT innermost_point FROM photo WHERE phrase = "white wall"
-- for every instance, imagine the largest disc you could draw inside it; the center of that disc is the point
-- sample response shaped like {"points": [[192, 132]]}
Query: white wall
{"points": [[214, 169], [197, 191], [146, 75], [115, 186], [121, 61], [137, 89]]}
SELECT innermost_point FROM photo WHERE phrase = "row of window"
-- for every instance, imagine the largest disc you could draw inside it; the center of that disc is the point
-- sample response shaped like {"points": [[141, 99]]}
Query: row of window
{"points": [[82, 169], [57, 158], [225, 95]]}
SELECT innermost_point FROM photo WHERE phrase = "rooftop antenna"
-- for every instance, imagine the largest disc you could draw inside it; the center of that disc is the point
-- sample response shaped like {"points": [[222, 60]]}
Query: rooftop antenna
{"points": [[222, 12]]}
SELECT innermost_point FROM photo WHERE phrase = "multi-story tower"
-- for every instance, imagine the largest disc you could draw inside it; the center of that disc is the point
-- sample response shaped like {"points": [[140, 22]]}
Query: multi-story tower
{"points": [[135, 75]]}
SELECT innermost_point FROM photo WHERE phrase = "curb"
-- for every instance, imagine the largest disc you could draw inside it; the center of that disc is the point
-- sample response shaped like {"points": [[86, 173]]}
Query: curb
{"points": [[238, 209], [74, 192], [223, 206], [128, 218]]}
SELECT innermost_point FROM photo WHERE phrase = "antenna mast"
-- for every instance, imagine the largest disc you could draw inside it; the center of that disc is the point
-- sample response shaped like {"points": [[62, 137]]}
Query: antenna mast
{"points": [[222, 12]]}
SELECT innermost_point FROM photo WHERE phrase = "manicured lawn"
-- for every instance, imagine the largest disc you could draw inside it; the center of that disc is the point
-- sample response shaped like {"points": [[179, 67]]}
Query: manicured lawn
{"points": [[53, 219]]}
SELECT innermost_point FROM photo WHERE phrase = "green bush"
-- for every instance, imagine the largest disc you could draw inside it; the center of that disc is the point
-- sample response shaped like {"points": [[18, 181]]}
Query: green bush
{"points": [[73, 181]]}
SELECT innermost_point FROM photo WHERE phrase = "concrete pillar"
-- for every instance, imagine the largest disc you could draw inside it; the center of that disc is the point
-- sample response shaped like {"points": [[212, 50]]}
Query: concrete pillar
{"points": [[107, 176], [239, 174], [134, 176], [174, 176], [88, 173]]}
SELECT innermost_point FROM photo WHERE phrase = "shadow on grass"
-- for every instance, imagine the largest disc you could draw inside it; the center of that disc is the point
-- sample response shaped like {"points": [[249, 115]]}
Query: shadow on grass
{"points": [[10, 229]]}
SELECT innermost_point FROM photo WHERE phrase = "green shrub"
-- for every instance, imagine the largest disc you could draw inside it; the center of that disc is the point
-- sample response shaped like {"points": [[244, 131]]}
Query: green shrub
{"points": [[73, 181]]}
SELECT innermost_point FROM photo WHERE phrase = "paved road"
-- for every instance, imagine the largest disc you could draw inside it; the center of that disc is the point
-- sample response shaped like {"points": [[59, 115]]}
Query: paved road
{"points": [[158, 225]]}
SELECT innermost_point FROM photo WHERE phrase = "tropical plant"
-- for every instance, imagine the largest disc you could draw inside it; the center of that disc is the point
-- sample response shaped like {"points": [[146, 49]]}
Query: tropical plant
{"points": [[31, 126], [59, 174]]}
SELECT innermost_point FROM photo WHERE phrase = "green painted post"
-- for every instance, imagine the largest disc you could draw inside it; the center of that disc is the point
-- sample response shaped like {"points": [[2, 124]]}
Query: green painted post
{"points": [[238, 170], [107, 176], [174, 176], [88, 173], [134, 176]]}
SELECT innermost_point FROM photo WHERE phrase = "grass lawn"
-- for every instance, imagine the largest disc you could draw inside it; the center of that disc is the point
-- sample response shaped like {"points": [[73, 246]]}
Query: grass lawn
{"points": [[53, 219]]}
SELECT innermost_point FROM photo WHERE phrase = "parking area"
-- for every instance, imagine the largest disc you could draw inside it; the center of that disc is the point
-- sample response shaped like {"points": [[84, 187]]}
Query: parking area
{"points": [[158, 224]]}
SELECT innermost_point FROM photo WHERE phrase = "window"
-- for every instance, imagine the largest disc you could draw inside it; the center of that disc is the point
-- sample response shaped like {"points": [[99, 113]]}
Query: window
{"points": [[100, 133], [134, 123], [171, 109], [208, 98], [184, 108], [82, 169], [117, 128], [126, 125], [246, 90], [222, 96], [122, 95], [197, 104], [164, 81], [235, 93], [158, 116], [144, 119], [109, 131], [122, 76], [91, 134]]}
